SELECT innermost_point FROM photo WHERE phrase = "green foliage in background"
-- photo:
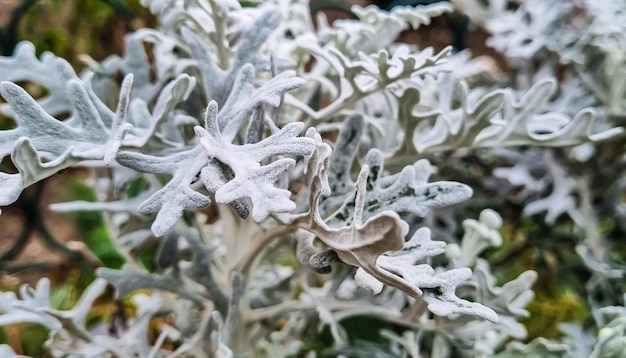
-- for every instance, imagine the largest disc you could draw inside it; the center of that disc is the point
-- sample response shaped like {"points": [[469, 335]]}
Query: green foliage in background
{"points": [[71, 28], [93, 228]]}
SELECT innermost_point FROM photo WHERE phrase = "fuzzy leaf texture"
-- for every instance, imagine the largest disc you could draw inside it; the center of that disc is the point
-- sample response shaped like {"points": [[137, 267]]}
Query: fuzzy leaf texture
{"points": [[404, 192], [375, 28], [363, 242], [499, 119], [252, 180], [70, 327], [368, 73], [41, 145], [50, 72]]}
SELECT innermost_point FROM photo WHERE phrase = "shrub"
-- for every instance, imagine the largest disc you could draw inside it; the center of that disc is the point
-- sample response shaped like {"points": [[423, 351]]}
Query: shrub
{"points": [[293, 178]]}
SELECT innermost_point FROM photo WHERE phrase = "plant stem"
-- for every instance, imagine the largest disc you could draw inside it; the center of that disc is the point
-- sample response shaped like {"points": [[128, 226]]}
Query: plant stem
{"points": [[220, 35]]}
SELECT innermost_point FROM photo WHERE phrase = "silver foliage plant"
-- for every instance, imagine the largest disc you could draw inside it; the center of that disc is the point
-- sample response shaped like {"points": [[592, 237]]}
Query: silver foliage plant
{"points": [[319, 144]]}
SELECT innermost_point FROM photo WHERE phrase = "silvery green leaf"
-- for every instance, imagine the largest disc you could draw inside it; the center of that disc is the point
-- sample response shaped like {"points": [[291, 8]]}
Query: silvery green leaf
{"points": [[135, 61], [376, 29], [177, 195], [573, 97], [68, 327], [456, 127], [360, 243], [244, 98], [527, 162], [254, 132], [409, 340], [207, 340], [217, 82], [41, 145], [607, 24], [51, 72], [368, 73], [271, 286], [156, 6], [234, 314], [442, 299], [479, 235], [270, 93], [602, 266], [11, 186], [268, 19], [560, 201], [167, 255], [609, 317], [437, 289], [258, 186], [407, 120], [127, 205], [145, 122], [213, 177], [604, 315], [28, 308], [137, 239], [318, 163], [74, 321], [133, 342], [579, 340], [6, 351], [418, 248], [415, 16], [30, 165], [363, 242], [507, 301], [520, 32], [214, 78], [499, 119], [252, 180], [315, 171], [539, 347], [523, 122], [33, 122], [407, 191], [344, 152], [200, 270], [611, 339]]}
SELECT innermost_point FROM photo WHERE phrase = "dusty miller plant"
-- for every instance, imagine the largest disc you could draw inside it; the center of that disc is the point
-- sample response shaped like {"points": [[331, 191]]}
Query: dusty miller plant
{"points": [[294, 176]]}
